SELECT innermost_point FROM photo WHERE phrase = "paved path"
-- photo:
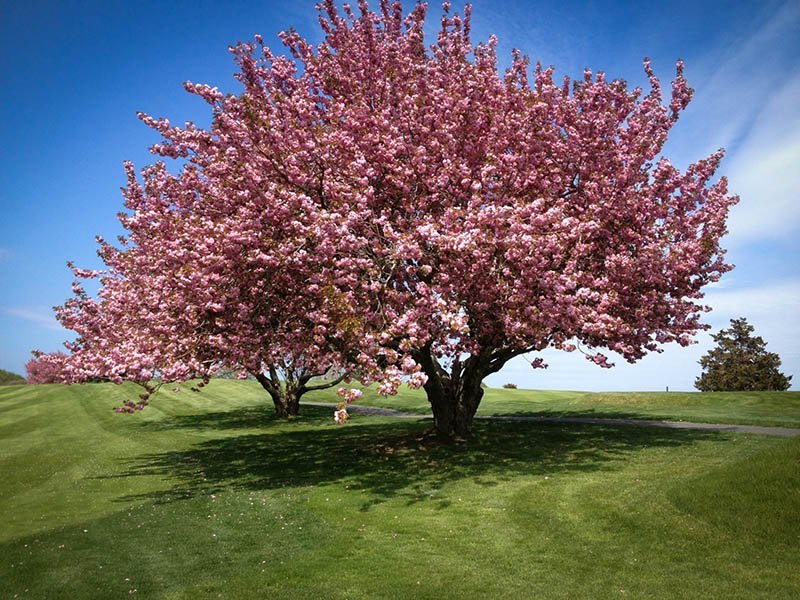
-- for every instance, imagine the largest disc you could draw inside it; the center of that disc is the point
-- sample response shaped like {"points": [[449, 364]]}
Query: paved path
{"points": [[757, 429]]}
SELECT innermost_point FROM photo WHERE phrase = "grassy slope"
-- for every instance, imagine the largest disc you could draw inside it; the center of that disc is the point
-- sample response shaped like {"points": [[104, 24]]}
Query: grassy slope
{"points": [[206, 496], [753, 408], [9, 378]]}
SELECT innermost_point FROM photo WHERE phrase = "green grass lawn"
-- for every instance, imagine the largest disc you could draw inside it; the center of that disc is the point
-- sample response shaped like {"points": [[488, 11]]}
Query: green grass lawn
{"points": [[207, 496], [749, 408]]}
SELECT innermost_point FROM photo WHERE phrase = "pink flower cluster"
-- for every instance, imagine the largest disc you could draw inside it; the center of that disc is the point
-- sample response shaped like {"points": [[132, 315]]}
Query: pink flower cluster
{"points": [[45, 368], [347, 395]]}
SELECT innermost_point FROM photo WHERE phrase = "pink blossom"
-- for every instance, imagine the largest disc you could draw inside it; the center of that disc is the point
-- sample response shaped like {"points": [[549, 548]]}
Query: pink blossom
{"points": [[348, 395]]}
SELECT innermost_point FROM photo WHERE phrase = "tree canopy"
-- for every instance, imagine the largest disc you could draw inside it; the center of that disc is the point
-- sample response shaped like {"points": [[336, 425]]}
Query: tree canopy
{"points": [[395, 211], [740, 363]]}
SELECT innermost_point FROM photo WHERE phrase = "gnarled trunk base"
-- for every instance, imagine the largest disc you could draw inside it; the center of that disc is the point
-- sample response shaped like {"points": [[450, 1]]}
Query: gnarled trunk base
{"points": [[454, 411], [284, 397], [286, 405], [286, 392], [454, 396]]}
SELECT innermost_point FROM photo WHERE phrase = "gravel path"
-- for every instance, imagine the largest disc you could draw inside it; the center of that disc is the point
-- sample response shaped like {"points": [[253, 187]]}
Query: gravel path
{"points": [[370, 410], [757, 429]]}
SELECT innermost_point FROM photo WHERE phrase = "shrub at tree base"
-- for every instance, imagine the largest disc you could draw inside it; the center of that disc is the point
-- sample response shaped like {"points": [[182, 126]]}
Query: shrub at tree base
{"points": [[395, 211], [46, 368], [740, 363]]}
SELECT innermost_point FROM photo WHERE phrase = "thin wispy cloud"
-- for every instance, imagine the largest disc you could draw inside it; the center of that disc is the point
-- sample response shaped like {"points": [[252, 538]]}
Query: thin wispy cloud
{"points": [[772, 309], [763, 170], [747, 103], [779, 297], [739, 78], [43, 317]]}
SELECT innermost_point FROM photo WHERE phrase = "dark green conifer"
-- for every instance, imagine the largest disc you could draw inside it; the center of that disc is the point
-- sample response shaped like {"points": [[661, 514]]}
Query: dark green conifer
{"points": [[740, 362]]}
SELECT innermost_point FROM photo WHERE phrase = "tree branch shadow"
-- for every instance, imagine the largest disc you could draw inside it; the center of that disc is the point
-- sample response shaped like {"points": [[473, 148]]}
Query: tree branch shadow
{"points": [[386, 460], [251, 417]]}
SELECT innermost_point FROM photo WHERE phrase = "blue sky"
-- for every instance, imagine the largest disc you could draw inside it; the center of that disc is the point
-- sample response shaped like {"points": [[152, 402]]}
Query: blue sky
{"points": [[75, 73]]}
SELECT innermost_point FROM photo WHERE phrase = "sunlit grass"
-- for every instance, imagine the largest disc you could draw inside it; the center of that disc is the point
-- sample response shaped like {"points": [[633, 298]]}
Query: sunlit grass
{"points": [[749, 408], [207, 496]]}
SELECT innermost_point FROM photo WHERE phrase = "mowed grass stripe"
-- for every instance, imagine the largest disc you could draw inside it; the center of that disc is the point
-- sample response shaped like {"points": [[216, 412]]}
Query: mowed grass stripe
{"points": [[206, 496]]}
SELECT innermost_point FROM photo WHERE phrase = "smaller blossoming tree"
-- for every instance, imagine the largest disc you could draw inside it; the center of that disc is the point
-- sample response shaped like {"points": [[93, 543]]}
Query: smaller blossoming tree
{"points": [[45, 368]]}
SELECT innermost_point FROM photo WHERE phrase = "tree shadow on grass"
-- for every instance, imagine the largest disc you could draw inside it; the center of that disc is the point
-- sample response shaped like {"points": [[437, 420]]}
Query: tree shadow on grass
{"points": [[665, 415], [251, 417], [584, 413], [402, 459]]}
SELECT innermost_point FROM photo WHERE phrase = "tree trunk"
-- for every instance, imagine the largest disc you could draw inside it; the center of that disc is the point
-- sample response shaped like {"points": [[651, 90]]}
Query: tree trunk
{"points": [[286, 392], [455, 396], [292, 392], [286, 405], [454, 408]]}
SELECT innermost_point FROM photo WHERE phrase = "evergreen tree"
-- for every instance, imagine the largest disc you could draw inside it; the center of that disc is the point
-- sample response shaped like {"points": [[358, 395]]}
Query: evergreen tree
{"points": [[740, 362]]}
